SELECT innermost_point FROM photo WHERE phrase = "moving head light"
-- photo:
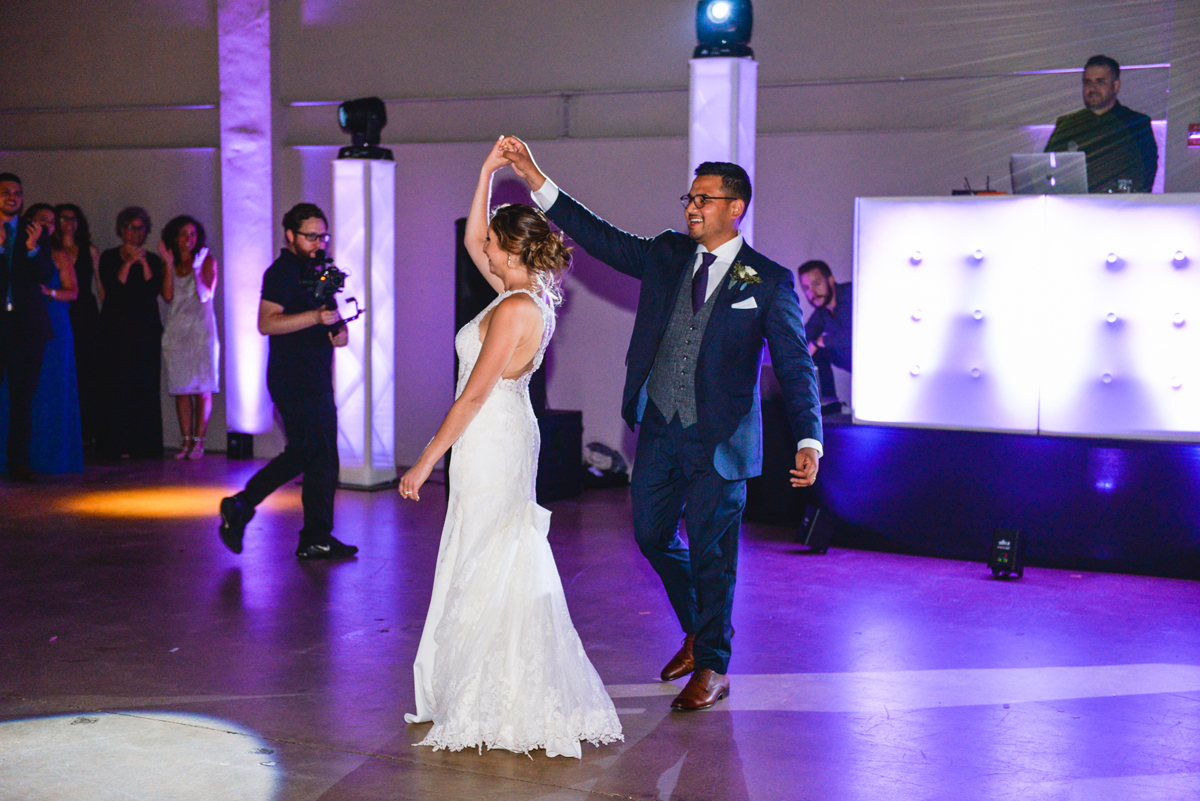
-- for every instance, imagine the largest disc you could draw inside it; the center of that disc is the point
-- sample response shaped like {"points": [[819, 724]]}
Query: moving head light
{"points": [[364, 120], [723, 29]]}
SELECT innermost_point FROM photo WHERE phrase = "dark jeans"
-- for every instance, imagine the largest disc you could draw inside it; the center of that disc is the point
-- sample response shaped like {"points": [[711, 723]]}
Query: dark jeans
{"points": [[673, 477], [825, 374], [21, 365], [310, 425]]}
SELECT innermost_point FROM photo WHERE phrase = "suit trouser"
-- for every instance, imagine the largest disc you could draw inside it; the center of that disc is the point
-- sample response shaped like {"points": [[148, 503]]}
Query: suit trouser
{"points": [[21, 365], [310, 425], [674, 476]]}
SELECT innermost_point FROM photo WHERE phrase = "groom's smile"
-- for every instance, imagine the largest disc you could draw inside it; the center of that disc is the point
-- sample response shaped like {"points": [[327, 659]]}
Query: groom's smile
{"points": [[711, 215]]}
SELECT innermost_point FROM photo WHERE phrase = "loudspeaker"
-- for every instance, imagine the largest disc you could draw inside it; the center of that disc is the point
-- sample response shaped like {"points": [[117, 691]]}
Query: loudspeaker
{"points": [[816, 529], [560, 462], [1006, 553], [239, 445]]}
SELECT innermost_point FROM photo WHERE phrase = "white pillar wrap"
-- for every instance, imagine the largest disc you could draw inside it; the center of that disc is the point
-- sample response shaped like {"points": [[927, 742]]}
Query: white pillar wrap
{"points": [[244, 51], [722, 112], [364, 237]]}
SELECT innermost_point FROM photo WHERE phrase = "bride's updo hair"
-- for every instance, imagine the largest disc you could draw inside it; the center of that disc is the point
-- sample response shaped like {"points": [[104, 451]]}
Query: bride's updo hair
{"points": [[525, 232]]}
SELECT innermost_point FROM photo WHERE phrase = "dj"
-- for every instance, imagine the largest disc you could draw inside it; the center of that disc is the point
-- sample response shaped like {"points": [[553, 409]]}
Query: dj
{"points": [[300, 378], [1121, 153]]}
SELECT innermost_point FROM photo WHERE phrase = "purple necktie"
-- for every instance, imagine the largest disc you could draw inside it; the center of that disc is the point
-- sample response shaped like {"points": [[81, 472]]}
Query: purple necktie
{"points": [[700, 282]]}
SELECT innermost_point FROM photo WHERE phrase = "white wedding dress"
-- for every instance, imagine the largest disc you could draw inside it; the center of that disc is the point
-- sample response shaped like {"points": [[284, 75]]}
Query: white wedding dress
{"points": [[500, 664]]}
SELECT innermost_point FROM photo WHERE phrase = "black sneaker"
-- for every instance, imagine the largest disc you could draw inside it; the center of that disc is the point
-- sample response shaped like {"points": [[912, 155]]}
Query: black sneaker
{"points": [[234, 517], [328, 548]]}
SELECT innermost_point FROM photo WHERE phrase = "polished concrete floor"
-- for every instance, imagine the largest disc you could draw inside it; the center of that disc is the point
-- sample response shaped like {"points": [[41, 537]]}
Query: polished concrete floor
{"points": [[140, 660]]}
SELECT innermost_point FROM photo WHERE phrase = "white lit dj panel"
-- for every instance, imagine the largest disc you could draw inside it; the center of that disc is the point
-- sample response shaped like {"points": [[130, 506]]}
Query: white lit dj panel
{"points": [[1064, 315]]}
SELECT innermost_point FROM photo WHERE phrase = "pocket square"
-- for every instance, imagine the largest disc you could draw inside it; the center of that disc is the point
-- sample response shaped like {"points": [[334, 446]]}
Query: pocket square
{"points": [[748, 303]]}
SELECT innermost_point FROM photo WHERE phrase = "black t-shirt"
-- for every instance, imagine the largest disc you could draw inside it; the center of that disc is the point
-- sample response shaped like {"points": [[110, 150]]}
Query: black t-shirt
{"points": [[1119, 144], [300, 364]]}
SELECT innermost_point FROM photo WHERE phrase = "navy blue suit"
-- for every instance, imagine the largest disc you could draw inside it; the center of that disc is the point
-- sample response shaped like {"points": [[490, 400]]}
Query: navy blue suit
{"points": [[699, 472], [24, 331]]}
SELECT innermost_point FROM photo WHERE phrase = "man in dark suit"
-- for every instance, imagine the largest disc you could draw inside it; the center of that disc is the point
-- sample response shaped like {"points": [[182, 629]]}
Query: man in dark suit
{"points": [[706, 304], [25, 265]]}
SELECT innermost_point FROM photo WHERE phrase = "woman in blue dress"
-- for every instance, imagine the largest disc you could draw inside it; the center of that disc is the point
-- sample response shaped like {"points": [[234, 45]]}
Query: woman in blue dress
{"points": [[57, 445]]}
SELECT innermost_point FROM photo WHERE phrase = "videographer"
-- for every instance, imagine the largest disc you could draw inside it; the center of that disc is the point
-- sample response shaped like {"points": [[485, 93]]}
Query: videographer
{"points": [[304, 330]]}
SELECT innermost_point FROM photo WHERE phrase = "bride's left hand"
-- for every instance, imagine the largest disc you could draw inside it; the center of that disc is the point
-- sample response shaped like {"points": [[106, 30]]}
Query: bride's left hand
{"points": [[410, 483], [496, 159]]}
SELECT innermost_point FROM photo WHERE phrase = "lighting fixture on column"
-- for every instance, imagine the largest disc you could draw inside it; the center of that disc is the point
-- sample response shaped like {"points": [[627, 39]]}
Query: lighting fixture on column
{"points": [[723, 29], [364, 119]]}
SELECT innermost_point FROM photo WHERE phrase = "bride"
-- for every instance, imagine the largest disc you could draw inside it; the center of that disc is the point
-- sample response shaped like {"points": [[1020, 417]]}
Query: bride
{"points": [[500, 664]]}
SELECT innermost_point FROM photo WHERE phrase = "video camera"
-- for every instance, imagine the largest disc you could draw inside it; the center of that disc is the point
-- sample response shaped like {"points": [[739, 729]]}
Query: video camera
{"points": [[323, 279]]}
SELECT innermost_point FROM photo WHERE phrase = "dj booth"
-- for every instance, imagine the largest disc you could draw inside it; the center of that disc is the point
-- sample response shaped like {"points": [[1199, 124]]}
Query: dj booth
{"points": [[1028, 362]]}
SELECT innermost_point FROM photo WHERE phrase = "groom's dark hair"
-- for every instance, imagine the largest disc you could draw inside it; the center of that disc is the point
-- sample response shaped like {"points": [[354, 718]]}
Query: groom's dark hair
{"points": [[733, 178]]}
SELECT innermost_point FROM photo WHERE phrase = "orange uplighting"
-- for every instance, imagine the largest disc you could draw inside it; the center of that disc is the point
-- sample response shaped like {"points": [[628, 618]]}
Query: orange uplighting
{"points": [[166, 502]]}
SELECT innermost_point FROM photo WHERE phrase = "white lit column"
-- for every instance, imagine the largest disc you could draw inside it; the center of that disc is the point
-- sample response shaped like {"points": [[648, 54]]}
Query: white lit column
{"points": [[244, 48], [364, 236], [722, 113]]}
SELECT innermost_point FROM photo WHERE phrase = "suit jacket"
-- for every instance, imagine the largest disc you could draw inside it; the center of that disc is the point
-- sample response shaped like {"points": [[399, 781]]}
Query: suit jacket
{"points": [[29, 320], [728, 402]]}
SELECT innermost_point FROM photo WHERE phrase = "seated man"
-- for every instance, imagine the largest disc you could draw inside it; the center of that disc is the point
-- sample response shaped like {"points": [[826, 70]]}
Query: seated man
{"points": [[828, 328], [1122, 155]]}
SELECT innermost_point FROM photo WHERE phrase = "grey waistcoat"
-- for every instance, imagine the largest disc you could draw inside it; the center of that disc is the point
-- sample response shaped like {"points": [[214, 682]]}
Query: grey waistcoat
{"points": [[672, 384]]}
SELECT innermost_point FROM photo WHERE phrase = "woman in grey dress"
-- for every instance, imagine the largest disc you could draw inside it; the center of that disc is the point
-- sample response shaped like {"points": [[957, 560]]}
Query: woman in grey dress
{"points": [[191, 350]]}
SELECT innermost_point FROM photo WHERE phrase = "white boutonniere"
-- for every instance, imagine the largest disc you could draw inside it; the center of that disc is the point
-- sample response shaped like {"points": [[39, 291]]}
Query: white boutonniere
{"points": [[743, 274]]}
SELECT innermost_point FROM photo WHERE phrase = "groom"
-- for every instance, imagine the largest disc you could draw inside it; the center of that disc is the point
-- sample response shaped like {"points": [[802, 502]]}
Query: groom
{"points": [[706, 304]]}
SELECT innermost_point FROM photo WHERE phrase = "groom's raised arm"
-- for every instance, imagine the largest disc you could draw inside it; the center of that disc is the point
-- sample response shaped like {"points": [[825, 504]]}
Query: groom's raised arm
{"points": [[602, 240]]}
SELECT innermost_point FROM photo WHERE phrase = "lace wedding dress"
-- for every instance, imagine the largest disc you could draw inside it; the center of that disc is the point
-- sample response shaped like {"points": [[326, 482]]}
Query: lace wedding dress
{"points": [[500, 664]]}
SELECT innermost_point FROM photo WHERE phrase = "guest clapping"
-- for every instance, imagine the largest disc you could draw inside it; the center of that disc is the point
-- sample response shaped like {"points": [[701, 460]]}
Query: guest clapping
{"points": [[191, 350], [132, 338]]}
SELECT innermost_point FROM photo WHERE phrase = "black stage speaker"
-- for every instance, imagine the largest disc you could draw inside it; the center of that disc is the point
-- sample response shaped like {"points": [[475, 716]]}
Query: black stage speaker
{"points": [[1006, 553], [239, 445], [560, 462], [816, 529]]}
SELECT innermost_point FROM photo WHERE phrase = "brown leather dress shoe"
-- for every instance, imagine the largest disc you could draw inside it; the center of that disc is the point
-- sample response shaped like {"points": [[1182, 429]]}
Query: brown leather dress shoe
{"points": [[705, 688], [682, 663]]}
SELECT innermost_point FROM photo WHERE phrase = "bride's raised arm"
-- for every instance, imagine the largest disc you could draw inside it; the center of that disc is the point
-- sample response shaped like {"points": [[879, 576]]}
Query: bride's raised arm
{"points": [[475, 238]]}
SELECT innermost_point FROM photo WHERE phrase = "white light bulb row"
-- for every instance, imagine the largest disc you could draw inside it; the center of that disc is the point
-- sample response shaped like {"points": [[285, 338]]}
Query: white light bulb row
{"points": [[917, 257], [1177, 319], [1106, 378]]}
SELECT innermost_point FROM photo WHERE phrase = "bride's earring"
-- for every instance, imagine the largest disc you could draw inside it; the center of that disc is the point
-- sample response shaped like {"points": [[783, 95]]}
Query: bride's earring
{"points": [[510, 260]]}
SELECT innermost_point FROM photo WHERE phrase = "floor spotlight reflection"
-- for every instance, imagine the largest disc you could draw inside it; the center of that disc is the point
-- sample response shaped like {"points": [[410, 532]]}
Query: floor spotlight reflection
{"points": [[123, 755], [165, 502]]}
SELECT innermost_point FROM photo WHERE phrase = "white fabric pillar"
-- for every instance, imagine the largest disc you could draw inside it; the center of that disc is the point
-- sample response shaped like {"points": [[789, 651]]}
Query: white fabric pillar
{"points": [[244, 53], [364, 238], [723, 122]]}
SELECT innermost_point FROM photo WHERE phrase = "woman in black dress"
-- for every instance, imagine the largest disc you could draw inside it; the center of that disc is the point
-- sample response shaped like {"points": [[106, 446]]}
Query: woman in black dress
{"points": [[73, 246], [131, 332]]}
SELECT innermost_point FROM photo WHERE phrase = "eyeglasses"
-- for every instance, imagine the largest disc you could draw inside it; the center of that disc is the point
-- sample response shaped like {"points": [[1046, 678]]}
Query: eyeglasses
{"points": [[700, 200], [322, 238]]}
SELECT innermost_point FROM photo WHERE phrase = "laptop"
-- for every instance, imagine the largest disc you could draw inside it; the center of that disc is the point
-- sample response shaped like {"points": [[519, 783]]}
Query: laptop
{"points": [[1049, 173]]}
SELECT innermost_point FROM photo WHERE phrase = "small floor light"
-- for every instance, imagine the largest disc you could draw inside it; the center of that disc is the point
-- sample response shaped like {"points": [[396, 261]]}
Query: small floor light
{"points": [[816, 529], [1006, 554]]}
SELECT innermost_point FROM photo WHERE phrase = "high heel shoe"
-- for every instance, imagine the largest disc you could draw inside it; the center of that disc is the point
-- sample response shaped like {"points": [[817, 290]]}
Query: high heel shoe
{"points": [[197, 451], [186, 448]]}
